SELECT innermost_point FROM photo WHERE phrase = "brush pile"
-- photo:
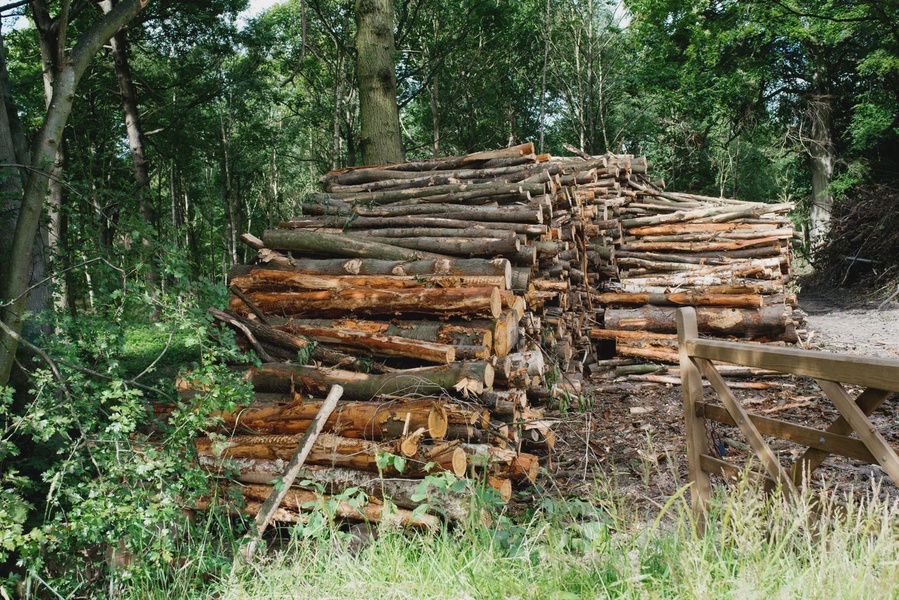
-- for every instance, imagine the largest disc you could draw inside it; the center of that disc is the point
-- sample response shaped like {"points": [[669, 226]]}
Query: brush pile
{"points": [[450, 298]]}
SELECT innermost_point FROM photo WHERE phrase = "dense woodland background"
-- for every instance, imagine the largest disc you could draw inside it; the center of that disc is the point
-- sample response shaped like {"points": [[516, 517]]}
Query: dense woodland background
{"points": [[193, 125]]}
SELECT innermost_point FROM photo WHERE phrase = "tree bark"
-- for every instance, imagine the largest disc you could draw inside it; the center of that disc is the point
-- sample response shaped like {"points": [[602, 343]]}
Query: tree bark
{"points": [[380, 136]]}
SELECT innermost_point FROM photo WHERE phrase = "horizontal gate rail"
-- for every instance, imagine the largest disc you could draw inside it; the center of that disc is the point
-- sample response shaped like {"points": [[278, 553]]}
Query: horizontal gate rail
{"points": [[879, 376]]}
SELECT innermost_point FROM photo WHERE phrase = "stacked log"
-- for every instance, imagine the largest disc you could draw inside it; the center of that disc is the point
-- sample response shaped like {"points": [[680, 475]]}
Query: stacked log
{"points": [[450, 297]]}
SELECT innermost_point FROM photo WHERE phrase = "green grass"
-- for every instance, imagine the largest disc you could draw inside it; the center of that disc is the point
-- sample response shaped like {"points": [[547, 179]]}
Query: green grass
{"points": [[755, 547], [145, 343]]}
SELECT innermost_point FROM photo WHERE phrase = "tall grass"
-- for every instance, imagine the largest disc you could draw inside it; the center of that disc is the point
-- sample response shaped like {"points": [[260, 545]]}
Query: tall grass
{"points": [[756, 546]]}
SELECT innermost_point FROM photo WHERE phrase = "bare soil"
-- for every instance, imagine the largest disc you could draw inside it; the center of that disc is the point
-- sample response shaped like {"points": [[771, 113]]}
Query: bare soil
{"points": [[633, 434]]}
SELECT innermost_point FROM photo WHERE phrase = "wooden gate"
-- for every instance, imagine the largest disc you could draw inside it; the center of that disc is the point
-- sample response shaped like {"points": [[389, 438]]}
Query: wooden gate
{"points": [[879, 378]]}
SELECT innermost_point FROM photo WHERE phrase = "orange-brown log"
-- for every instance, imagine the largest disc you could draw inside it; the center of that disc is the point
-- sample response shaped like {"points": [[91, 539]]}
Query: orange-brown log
{"points": [[271, 280], [452, 333], [375, 344], [700, 228], [484, 301], [334, 450], [682, 299], [368, 420], [502, 462], [599, 333]]}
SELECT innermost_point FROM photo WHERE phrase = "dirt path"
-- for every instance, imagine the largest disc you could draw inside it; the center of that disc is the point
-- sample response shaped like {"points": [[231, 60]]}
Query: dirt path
{"points": [[839, 321], [633, 433]]}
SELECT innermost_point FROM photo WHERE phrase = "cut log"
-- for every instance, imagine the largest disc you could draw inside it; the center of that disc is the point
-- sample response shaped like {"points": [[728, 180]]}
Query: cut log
{"points": [[463, 377], [375, 344], [483, 301], [335, 480], [456, 334], [366, 420], [299, 502], [683, 299], [502, 462], [312, 242], [333, 450], [768, 322], [266, 280], [457, 267]]}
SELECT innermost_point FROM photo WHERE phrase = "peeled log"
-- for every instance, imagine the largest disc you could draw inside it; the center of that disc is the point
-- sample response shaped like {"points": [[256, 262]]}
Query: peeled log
{"points": [[279, 377], [769, 322], [366, 420], [485, 301], [333, 450], [682, 299]]}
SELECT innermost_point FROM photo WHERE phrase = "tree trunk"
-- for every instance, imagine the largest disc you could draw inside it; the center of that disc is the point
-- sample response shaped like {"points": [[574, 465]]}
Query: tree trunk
{"points": [[821, 159], [140, 165], [44, 152], [379, 115]]}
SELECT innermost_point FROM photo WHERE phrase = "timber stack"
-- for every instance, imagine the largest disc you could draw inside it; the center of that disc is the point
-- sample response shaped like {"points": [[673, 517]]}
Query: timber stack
{"points": [[449, 297]]}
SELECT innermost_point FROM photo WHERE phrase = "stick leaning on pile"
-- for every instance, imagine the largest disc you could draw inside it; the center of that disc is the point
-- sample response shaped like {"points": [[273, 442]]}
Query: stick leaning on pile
{"points": [[279, 490]]}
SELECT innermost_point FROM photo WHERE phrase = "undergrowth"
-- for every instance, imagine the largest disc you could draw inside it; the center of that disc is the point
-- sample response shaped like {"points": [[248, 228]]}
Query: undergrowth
{"points": [[756, 546]]}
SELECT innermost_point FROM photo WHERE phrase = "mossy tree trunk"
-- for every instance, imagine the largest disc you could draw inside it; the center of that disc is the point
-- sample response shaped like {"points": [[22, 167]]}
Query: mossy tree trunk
{"points": [[381, 142]]}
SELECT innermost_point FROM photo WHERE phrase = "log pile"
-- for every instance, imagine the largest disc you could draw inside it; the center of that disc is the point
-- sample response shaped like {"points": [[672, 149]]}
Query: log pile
{"points": [[450, 297]]}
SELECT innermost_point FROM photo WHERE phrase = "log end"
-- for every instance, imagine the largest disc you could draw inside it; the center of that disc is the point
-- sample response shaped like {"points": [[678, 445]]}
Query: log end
{"points": [[459, 462], [489, 375], [496, 303], [437, 422], [502, 486]]}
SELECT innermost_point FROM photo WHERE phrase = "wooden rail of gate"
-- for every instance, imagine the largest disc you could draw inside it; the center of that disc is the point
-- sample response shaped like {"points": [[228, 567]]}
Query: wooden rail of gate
{"points": [[879, 378]]}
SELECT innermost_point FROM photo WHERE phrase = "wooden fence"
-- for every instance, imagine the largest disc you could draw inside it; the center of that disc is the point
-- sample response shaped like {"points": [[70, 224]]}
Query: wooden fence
{"points": [[878, 377]]}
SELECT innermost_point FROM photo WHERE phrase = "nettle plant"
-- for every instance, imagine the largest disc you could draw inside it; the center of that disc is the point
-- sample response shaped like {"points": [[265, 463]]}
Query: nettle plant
{"points": [[93, 486]]}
